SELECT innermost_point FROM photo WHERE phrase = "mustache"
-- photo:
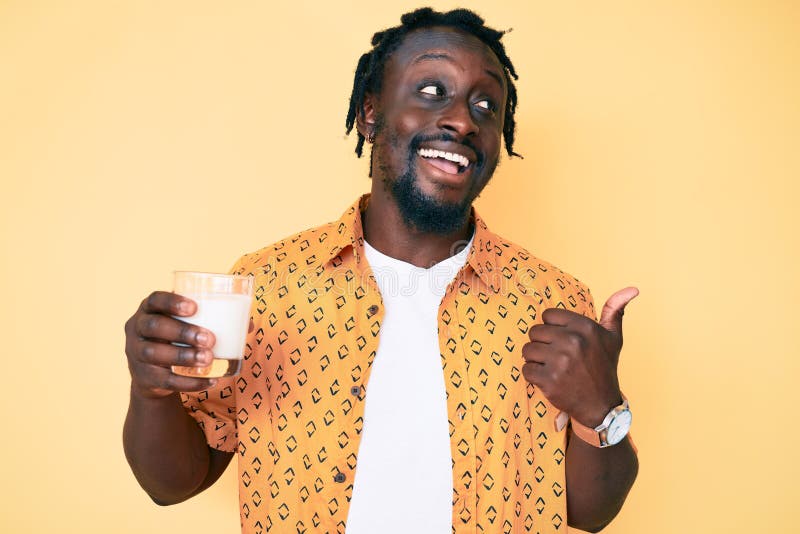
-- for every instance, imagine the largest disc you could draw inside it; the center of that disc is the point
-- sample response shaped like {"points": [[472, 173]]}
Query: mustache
{"points": [[417, 140]]}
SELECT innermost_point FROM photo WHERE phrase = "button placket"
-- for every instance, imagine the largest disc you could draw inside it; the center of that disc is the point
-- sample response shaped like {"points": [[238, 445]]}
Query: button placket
{"points": [[348, 453], [460, 406]]}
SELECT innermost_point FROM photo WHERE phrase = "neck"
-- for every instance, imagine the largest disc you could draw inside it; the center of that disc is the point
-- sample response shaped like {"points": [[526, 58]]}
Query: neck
{"points": [[386, 231]]}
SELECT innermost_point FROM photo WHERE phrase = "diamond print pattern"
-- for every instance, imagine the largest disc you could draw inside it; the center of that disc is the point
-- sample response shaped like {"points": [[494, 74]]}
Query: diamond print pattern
{"points": [[295, 423]]}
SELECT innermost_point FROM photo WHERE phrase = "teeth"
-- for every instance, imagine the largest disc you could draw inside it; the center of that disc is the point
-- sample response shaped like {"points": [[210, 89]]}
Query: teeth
{"points": [[433, 153]]}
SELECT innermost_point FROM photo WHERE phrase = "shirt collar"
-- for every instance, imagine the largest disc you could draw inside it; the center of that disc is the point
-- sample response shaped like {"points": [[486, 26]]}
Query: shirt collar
{"points": [[486, 247]]}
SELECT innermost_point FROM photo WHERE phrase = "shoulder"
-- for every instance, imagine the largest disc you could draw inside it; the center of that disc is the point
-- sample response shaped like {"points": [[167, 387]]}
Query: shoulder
{"points": [[306, 249], [521, 271]]}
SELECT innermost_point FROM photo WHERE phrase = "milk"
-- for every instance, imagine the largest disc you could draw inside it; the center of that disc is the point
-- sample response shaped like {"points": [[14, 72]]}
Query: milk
{"points": [[228, 317]]}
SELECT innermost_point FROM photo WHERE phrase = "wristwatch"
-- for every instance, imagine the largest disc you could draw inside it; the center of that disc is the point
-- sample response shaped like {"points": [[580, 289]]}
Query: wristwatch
{"points": [[611, 431]]}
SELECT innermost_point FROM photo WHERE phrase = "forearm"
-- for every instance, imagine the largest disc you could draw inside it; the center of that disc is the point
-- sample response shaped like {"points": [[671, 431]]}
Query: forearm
{"points": [[598, 480], [165, 448]]}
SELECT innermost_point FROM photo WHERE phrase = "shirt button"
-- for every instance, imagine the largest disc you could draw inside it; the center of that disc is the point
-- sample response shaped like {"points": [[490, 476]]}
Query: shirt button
{"points": [[339, 477], [355, 391], [372, 310]]}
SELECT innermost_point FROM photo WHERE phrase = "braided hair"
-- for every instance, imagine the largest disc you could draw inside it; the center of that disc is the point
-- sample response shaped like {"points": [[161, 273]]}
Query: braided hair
{"points": [[369, 72]]}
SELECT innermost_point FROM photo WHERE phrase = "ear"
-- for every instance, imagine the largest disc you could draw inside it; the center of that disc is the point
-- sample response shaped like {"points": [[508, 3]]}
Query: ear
{"points": [[365, 121]]}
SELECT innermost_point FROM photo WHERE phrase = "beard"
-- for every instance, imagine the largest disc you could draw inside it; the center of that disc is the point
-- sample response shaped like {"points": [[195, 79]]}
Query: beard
{"points": [[423, 212]]}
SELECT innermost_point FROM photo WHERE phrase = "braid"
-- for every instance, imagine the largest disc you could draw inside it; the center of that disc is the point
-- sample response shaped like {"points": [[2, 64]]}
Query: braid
{"points": [[369, 71]]}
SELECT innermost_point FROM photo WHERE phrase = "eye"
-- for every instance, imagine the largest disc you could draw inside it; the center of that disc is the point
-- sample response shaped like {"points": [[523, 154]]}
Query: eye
{"points": [[432, 89], [485, 104]]}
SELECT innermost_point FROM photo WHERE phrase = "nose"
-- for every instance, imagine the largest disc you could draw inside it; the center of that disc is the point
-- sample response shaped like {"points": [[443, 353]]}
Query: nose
{"points": [[457, 118]]}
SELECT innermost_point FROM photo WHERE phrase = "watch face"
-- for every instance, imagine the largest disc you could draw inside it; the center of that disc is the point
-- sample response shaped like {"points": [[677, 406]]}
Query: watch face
{"points": [[619, 427]]}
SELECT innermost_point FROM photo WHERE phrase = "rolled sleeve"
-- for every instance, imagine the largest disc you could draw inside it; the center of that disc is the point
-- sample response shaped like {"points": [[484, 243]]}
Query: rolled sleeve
{"points": [[214, 410]]}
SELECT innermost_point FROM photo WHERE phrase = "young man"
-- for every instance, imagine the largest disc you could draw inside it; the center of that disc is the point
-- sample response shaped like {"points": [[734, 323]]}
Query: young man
{"points": [[407, 369]]}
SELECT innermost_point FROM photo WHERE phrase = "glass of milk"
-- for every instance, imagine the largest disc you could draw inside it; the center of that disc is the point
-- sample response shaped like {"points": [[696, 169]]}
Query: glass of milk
{"points": [[223, 306]]}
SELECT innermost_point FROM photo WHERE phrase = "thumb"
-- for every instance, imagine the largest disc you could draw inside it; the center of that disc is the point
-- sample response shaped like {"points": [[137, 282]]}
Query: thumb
{"points": [[614, 308]]}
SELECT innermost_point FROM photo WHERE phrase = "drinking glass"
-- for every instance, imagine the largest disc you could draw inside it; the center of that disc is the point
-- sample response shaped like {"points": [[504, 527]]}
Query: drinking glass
{"points": [[223, 307]]}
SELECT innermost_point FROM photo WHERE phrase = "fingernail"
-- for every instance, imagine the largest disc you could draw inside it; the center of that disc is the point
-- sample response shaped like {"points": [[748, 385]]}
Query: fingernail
{"points": [[212, 381], [183, 308], [203, 357], [202, 338]]}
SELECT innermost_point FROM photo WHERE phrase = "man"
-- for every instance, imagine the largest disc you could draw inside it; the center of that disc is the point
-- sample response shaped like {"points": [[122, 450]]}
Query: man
{"points": [[407, 369]]}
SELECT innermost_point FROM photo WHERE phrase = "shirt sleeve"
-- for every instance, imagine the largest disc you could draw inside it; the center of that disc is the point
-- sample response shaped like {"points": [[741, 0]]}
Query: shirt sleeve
{"points": [[214, 409], [586, 301]]}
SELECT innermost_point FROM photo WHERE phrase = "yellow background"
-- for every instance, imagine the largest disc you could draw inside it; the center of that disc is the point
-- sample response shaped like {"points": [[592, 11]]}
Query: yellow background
{"points": [[661, 145]]}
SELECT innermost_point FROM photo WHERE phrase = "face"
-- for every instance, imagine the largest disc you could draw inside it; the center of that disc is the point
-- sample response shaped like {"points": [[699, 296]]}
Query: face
{"points": [[438, 123]]}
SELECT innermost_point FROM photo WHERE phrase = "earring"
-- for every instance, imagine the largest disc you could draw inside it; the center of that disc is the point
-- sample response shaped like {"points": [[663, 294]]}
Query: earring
{"points": [[371, 137]]}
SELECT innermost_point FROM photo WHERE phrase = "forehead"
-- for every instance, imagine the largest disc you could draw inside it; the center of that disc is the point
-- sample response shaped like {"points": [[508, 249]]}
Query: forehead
{"points": [[452, 41]]}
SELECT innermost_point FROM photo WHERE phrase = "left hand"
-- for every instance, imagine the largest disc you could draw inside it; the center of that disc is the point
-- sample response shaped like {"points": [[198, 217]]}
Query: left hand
{"points": [[573, 360]]}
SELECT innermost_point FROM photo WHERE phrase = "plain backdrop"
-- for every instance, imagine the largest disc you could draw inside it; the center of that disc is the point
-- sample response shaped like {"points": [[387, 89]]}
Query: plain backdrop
{"points": [[661, 146]]}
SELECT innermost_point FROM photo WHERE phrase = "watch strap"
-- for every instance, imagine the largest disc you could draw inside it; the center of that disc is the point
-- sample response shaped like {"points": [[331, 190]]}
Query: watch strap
{"points": [[589, 435], [592, 436]]}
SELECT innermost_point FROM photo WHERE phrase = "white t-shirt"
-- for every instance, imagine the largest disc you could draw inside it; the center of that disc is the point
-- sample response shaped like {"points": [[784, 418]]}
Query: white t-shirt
{"points": [[404, 477]]}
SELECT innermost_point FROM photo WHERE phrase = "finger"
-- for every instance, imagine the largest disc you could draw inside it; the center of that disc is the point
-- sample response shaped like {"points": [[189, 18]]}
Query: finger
{"points": [[166, 355], [559, 317], [159, 378], [545, 333], [539, 353], [155, 326], [536, 374], [169, 303], [614, 308]]}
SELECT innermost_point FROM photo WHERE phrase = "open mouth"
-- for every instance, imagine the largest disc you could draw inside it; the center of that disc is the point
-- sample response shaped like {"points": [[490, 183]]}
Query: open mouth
{"points": [[448, 162]]}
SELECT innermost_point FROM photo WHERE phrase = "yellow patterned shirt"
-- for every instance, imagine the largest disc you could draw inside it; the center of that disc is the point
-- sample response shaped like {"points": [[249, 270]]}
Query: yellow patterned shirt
{"points": [[295, 412]]}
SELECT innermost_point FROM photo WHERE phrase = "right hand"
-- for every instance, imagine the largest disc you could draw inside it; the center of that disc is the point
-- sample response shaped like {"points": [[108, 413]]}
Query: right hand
{"points": [[149, 335]]}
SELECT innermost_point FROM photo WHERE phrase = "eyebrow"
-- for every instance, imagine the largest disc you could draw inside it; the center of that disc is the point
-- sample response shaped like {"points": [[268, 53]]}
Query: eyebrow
{"points": [[435, 56]]}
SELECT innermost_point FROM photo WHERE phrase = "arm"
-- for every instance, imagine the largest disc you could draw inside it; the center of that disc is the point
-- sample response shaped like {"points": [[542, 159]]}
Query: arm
{"points": [[598, 480], [573, 361], [165, 447], [167, 451]]}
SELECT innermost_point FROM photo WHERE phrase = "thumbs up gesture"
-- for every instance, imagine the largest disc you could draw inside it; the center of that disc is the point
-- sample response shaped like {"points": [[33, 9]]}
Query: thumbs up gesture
{"points": [[573, 360]]}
